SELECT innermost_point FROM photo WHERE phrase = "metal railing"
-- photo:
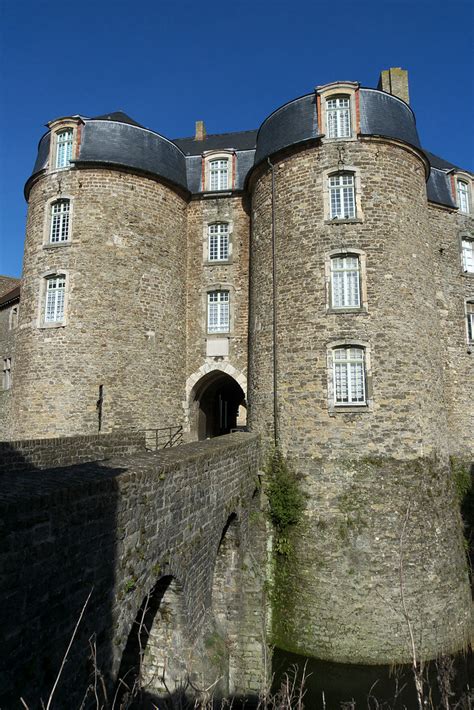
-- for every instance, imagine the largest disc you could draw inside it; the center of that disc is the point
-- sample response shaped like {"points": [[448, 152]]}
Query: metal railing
{"points": [[163, 438]]}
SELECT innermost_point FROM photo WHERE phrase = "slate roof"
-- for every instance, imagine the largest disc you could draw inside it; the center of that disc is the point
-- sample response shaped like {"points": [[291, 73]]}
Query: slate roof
{"points": [[439, 163], [7, 283], [241, 140], [10, 296], [119, 116]]}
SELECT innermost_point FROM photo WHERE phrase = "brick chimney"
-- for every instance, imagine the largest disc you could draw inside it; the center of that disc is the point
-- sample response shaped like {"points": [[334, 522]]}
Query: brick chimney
{"points": [[395, 82], [200, 131]]}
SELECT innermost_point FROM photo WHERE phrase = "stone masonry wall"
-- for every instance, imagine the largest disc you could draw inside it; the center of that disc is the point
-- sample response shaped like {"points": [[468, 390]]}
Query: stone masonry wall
{"points": [[125, 309], [114, 529], [40, 454], [203, 275], [360, 467], [7, 350], [453, 287]]}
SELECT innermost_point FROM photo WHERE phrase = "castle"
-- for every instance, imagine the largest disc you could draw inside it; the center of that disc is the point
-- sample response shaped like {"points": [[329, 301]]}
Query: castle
{"points": [[319, 273]]}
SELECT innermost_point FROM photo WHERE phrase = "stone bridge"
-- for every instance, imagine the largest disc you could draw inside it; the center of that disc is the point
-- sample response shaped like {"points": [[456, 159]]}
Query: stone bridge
{"points": [[160, 543]]}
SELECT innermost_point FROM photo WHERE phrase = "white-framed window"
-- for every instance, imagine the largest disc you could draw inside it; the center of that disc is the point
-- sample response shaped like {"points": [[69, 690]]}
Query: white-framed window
{"points": [[60, 221], [218, 312], [13, 319], [218, 241], [345, 281], [342, 203], [468, 255], [463, 196], [470, 321], [338, 117], [54, 298], [7, 373], [349, 378], [64, 143], [219, 174]]}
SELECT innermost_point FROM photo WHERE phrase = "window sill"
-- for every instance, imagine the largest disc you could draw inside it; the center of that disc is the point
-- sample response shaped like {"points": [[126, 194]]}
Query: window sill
{"points": [[60, 170], [339, 138], [217, 193], [49, 326], [347, 311], [469, 274], [55, 245], [217, 335], [217, 262], [350, 409], [349, 220]]}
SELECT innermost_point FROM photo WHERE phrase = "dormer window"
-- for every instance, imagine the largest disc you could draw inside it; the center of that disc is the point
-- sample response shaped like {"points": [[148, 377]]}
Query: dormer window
{"points": [[463, 196], [64, 143], [338, 117], [219, 174]]}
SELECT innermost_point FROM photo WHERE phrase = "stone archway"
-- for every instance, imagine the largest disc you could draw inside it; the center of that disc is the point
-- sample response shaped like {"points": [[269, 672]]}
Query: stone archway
{"points": [[215, 402], [158, 652]]}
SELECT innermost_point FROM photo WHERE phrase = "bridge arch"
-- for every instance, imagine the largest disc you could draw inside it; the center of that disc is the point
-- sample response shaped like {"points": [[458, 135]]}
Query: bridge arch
{"points": [[215, 401], [157, 650]]}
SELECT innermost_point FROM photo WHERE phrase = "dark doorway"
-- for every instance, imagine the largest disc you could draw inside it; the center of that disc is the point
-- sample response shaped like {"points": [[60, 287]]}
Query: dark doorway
{"points": [[220, 404]]}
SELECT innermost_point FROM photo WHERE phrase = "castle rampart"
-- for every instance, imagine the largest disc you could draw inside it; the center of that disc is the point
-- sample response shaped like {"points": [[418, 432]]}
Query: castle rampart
{"points": [[319, 270]]}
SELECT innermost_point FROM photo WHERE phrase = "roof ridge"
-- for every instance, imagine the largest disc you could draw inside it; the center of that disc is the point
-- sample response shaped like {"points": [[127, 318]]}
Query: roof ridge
{"points": [[213, 135]]}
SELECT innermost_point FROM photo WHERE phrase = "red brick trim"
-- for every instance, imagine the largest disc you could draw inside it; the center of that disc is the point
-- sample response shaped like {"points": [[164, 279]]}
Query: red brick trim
{"points": [[78, 140], [318, 110], [357, 111], [453, 188]]}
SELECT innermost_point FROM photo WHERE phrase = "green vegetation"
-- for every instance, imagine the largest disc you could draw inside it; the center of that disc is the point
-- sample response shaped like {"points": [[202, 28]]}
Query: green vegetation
{"points": [[461, 477], [286, 504], [285, 500], [130, 584]]}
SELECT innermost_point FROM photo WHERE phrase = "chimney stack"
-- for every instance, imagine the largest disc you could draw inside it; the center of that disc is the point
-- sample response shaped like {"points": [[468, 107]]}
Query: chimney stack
{"points": [[200, 131], [395, 82]]}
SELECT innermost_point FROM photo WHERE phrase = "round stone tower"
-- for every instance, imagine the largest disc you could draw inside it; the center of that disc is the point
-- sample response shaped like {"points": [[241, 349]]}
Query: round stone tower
{"points": [[102, 340], [345, 374]]}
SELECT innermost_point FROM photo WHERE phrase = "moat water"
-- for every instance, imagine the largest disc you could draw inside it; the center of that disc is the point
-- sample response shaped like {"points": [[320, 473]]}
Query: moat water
{"points": [[330, 686]]}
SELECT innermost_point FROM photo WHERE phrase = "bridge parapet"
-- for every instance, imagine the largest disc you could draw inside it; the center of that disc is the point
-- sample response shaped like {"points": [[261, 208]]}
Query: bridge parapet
{"points": [[115, 527]]}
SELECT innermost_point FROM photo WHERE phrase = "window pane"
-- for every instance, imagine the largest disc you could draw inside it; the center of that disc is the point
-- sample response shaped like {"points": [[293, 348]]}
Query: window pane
{"points": [[59, 221], [342, 196], [468, 255], [64, 148], [218, 311], [349, 376], [338, 117], [463, 196], [218, 174], [54, 308], [218, 242]]}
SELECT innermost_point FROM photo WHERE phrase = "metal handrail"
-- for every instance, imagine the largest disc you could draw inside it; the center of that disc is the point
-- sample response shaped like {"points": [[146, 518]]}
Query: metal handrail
{"points": [[163, 438]]}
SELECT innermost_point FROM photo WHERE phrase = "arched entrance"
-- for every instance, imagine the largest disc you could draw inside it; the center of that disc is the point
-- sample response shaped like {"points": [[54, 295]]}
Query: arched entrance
{"points": [[217, 405]]}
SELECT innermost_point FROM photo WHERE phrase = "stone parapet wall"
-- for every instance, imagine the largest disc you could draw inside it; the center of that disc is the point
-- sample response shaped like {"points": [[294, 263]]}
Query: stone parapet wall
{"points": [[40, 454], [114, 529]]}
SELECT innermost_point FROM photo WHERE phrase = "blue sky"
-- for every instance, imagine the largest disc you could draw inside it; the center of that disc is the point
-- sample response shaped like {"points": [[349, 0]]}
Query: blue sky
{"points": [[167, 64]]}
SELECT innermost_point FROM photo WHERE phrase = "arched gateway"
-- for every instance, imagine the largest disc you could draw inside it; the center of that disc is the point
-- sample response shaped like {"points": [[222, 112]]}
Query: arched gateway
{"points": [[215, 401]]}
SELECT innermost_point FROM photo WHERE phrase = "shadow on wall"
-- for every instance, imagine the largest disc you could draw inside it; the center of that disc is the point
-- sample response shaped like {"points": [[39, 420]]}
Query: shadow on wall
{"points": [[467, 512], [57, 545]]}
